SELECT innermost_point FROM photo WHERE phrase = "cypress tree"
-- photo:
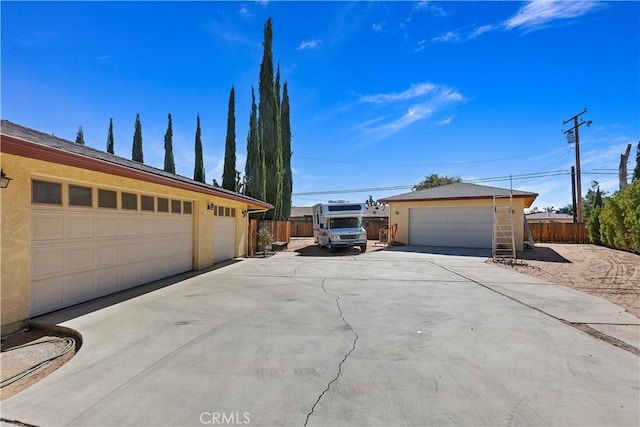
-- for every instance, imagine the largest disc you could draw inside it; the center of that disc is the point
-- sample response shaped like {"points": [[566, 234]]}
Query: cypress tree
{"points": [[268, 126], [277, 86], [229, 171], [287, 182], [254, 169], [169, 164], [110, 137], [198, 172], [636, 170], [597, 201], [80, 136], [136, 150]]}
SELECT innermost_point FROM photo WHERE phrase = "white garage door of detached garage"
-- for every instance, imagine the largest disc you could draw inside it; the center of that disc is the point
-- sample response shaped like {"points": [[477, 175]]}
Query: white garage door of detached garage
{"points": [[81, 254], [459, 227], [224, 233]]}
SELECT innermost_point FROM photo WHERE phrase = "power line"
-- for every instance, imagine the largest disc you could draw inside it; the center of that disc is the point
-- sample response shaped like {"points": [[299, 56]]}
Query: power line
{"points": [[410, 186], [461, 162]]}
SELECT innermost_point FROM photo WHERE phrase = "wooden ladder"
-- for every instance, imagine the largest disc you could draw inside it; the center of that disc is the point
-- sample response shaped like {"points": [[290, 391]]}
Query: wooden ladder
{"points": [[504, 244]]}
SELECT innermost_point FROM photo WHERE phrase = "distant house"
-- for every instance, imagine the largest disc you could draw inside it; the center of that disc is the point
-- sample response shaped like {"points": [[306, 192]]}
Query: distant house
{"points": [[455, 215], [548, 217]]}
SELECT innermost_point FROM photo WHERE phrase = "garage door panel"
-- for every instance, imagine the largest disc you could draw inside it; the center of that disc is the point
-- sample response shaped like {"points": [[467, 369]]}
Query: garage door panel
{"points": [[46, 295], [46, 261], [106, 255], [79, 258], [128, 227], [148, 227], [106, 227], [455, 227], [76, 257], [47, 227], [79, 227], [148, 250], [224, 238], [77, 288]]}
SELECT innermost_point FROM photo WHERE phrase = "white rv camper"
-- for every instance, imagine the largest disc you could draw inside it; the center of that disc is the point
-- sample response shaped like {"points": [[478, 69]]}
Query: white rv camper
{"points": [[339, 225]]}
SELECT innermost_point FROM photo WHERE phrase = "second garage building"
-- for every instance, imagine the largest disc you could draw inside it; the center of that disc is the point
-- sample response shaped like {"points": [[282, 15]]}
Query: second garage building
{"points": [[456, 215]]}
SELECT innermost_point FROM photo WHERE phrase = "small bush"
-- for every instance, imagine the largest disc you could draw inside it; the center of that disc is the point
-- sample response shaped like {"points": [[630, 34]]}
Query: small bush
{"points": [[620, 219]]}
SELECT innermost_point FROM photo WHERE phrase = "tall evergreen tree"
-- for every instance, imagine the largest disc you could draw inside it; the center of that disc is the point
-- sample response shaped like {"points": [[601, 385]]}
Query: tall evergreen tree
{"points": [[229, 171], [136, 150], [277, 86], [169, 163], [287, 181], [110, 137], [80, 136], [254, 169], [636, 170], [268, 126], [198, 171]]}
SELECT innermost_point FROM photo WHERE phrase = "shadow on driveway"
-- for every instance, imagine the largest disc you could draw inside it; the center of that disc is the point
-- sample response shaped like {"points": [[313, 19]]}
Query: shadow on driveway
{"points": [[81, 309]]}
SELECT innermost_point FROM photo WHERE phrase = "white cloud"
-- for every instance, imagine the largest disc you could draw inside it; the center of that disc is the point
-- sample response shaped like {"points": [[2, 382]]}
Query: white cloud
{"points": [[536, 14], [310, 44], [450, 36], [244, 12], [429, 6], [421, 45], [445, 122], [414, 91], [377, 27], [426, 99]]}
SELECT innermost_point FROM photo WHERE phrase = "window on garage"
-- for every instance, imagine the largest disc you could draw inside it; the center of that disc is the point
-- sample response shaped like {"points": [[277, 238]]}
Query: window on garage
{"points": [[46, 192], [176, 206], [147, 203], [163, 204], [107, 199], [129, 201], [80, 196], [186, 208]]}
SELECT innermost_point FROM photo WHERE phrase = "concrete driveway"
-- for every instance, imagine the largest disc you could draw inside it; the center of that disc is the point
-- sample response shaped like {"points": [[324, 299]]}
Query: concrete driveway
{"points": [[383, 338]]}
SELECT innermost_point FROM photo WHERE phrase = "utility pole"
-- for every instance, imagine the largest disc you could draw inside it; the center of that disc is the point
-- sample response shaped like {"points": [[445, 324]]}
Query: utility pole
{"points": [[622, 170], [573, 135], [573, 194]]}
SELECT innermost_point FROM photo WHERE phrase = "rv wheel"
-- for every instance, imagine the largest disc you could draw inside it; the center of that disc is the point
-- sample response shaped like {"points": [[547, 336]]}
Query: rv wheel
{"points": [[332, 249], [363, 248]]}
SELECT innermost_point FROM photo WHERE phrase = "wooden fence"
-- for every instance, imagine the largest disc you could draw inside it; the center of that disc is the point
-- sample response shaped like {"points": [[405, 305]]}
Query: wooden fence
{"points": [[280, 230], [304, 228], [557, 232]]}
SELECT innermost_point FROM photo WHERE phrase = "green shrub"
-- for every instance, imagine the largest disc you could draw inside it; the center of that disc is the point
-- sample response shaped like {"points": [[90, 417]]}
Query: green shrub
{"points": [[593, 225], [620, 219]]}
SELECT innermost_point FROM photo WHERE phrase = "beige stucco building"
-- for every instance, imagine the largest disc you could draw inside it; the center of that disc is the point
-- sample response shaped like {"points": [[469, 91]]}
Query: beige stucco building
{"points": [[77, 223], [456, 215]]}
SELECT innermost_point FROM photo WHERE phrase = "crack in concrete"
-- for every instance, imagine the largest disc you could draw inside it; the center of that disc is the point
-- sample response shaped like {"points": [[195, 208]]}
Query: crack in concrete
{"points": [[344, 359]]}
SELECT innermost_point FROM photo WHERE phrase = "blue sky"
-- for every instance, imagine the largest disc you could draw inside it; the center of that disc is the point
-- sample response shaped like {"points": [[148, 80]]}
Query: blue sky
{"points": [[382, 93]]}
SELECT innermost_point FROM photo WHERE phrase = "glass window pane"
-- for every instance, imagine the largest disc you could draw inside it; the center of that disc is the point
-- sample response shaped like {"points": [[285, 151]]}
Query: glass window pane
{"points": [[147, 203], [129, 201], [163, 205], [186, 208], [227, 211], [233, 212], [176, 206], [107, 199], [80, 196], [46, 192]]}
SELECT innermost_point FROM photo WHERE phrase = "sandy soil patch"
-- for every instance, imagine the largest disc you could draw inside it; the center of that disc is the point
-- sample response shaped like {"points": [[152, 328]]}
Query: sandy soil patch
{"points": [[610, 274]]}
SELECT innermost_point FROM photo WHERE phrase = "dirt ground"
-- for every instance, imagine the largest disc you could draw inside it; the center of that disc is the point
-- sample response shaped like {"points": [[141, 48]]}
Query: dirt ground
{"points": [[26, 349], [610, 274], [607, 273]]}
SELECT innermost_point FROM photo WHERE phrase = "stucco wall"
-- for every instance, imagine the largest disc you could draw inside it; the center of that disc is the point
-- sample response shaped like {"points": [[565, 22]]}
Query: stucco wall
{"points": [[399, 214], [15, 207]]}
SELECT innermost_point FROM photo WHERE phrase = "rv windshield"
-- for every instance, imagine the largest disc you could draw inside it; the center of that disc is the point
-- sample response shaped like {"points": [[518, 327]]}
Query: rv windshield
{"points": [[351, 222]]}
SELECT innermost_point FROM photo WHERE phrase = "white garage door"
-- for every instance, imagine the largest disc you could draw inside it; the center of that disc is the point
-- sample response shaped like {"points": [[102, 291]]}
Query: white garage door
{"points": [[224, 234], [77, 256], [451, 227]]}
